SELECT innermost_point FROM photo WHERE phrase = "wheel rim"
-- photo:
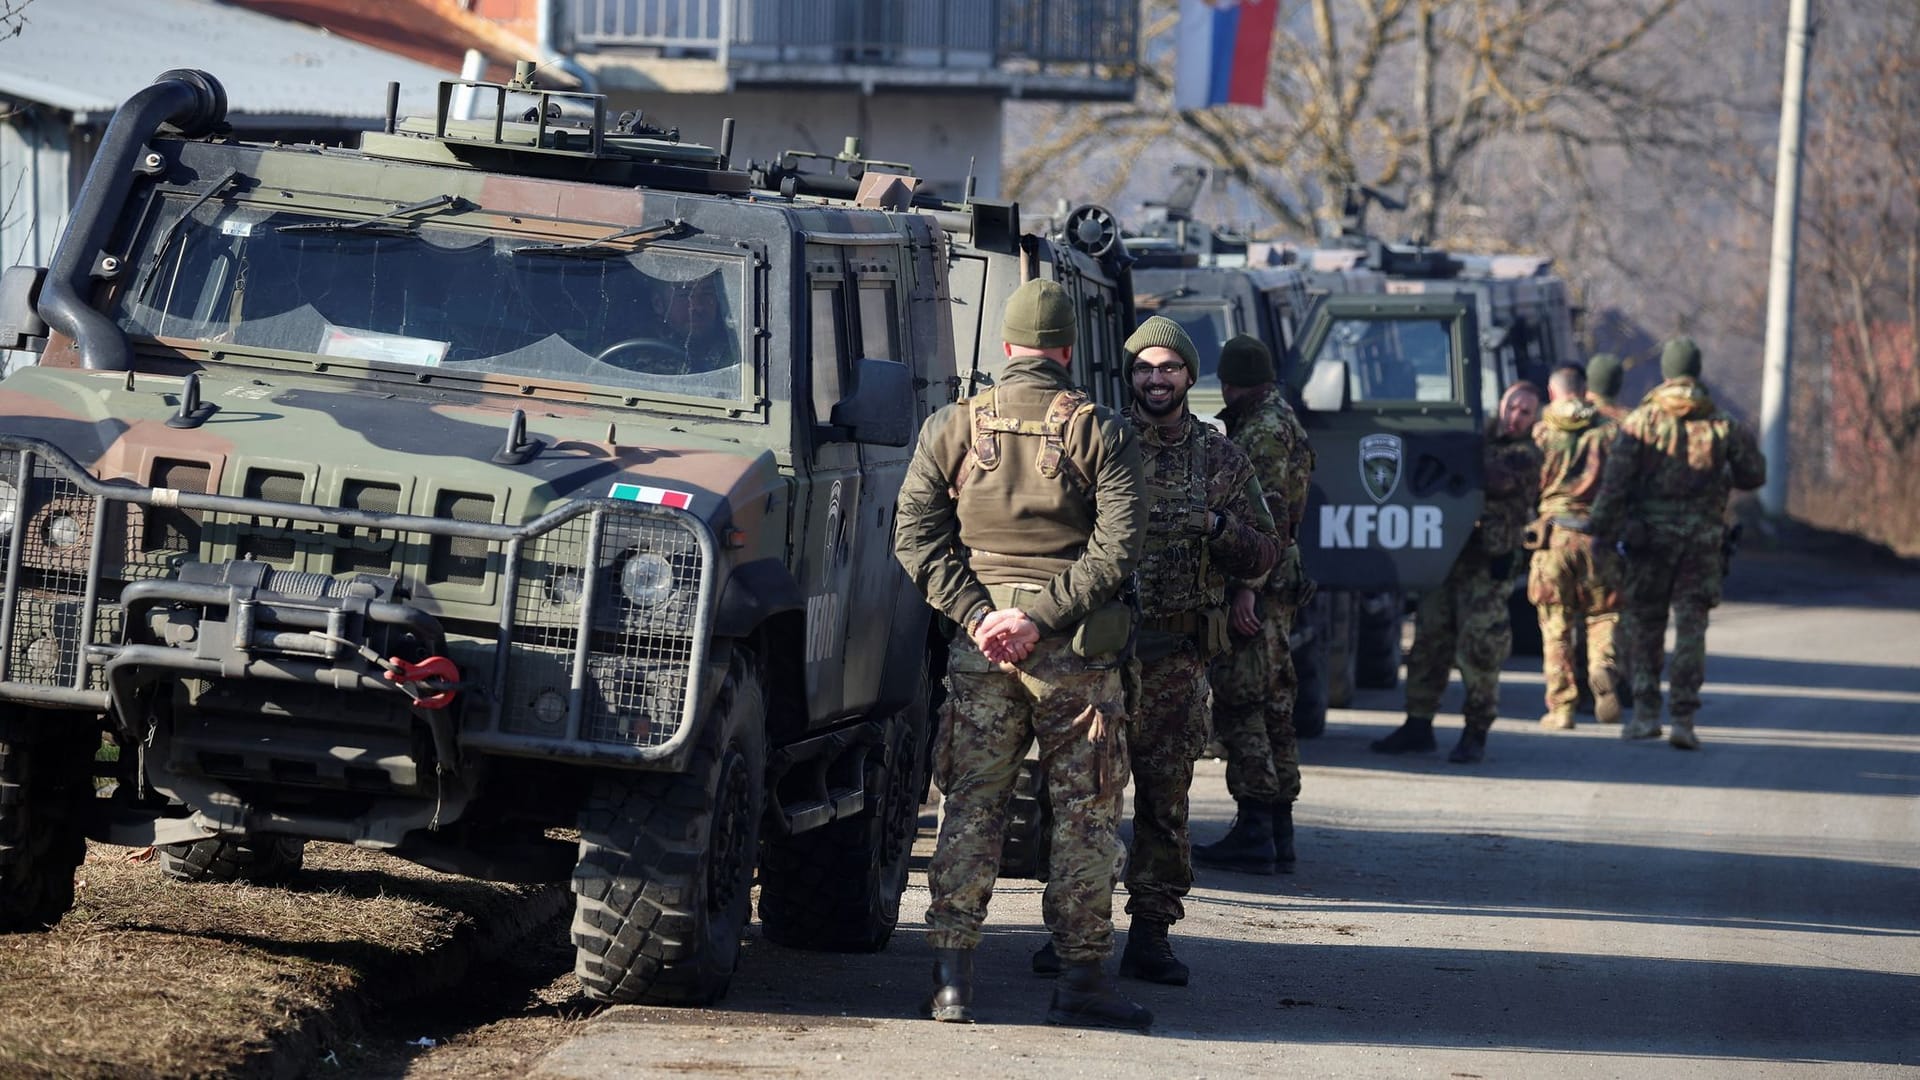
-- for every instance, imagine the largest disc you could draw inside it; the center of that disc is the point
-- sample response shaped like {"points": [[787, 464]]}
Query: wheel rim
{"points": [[730, 829]]}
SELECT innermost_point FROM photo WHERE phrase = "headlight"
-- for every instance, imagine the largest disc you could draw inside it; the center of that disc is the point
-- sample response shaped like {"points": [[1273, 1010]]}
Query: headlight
{"points": [[647, 578], [64, 531], [564, 588], [9, 506]]}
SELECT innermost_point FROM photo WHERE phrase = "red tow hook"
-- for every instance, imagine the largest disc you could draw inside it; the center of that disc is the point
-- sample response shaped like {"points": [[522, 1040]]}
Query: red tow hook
{"points": [[437, 668]]}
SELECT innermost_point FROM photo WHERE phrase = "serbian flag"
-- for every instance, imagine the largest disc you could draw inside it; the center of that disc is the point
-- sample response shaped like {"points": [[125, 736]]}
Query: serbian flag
{"points": [[1221, 52]]}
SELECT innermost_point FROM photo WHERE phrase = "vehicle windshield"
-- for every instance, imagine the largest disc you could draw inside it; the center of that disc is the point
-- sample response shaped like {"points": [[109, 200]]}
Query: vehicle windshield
{"points": [[653, 318], [1208, 324], [1394, 359]]}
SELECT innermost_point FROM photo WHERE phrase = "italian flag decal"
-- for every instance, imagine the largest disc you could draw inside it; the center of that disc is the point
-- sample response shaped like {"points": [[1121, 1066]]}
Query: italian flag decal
{"points": [[679, 500]]}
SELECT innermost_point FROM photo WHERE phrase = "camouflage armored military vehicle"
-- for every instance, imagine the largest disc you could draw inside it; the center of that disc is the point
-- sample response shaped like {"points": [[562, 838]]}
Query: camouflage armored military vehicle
{"points": [[494, 482]]}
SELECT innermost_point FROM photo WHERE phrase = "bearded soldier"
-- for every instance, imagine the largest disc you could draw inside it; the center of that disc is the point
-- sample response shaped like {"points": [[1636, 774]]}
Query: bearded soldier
{"points": [[1664, 495], [1574, 582], [1465, 620], [1206, 523], [1253, 683], [1021, 519]]}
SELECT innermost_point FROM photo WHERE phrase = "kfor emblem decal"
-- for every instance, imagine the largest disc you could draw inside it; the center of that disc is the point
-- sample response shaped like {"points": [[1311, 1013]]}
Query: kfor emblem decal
{"points": [[1380, 456]]}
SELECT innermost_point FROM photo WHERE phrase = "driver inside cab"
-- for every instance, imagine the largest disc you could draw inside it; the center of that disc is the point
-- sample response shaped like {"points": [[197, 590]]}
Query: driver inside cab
{"points": [[693, 331]]}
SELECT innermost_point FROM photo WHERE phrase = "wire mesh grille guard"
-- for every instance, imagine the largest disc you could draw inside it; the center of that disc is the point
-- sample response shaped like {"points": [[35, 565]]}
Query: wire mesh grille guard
{"points": [[600, 604]]}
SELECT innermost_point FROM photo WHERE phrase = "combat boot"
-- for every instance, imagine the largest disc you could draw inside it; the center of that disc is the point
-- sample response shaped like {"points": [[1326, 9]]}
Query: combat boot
{"points": [[1644, 725], [1087, 998], [1283, 836], [1248, 845], [1413, 737], [952, 986], [1149, 956], [1555, 721], [1045, 961], [1682, 736], [1471, 748], [1607, 707]]}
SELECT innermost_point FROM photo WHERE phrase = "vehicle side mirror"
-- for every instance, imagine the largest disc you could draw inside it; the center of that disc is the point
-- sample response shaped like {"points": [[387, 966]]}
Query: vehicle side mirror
{"points": [[19, 291], [879, 409], [1326, 389]]}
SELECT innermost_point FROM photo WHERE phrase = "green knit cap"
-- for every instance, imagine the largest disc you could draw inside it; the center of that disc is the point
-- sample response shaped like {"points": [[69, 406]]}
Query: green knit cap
{"points": [[1680, 358], [1160, 331], [1039, 316], [1245, 361], [1604, 375]]}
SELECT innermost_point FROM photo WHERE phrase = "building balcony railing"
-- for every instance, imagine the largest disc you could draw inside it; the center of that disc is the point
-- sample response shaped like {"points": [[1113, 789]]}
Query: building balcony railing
{"points": [[1088, 44]]}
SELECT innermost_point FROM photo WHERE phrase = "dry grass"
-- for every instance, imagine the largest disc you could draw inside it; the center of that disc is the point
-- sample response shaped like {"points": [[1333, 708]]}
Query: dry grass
{"points": [[151, 977]]}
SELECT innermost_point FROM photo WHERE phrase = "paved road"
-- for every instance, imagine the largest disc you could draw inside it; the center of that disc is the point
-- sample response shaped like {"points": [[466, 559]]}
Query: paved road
{"points": [[1576, 906]]}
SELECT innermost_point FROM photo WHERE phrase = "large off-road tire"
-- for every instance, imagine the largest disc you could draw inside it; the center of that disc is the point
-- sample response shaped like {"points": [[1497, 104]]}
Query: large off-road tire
{"points": [[1026, 850], [662, 889], [838, 887], [257, 860], [1376, 663], [1343, 646], [1310, 671], [45, 781]]}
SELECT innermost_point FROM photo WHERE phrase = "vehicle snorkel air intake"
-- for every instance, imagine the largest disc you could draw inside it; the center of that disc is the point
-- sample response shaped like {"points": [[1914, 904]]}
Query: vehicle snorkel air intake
{"points": [[192, 102]]}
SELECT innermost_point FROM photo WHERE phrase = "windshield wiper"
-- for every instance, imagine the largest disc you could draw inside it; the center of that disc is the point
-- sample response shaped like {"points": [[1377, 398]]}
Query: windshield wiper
{"points": [[386, 223], [165, 242], [636, 237]]}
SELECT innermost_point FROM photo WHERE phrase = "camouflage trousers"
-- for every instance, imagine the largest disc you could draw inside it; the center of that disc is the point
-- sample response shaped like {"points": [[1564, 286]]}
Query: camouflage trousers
{"points": [[1253, 692], [1574, 584], [1684, 575], [991, 715], [1463, 622], [1166, 733]]}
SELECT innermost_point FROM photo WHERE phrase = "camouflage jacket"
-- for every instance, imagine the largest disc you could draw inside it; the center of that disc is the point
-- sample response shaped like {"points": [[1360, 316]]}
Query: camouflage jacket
{"points": [[1266, 428], [1512, 484], [1190, 470], [1077, 532], [1573, 438], [1674, 463]]}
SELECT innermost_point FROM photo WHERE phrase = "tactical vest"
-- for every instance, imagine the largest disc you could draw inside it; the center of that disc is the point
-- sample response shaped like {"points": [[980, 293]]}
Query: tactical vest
{"points": [[1171, 512], [988, 425]]}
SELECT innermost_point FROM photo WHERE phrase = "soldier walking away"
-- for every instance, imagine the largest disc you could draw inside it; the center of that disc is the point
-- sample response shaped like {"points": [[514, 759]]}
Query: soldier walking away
{"points": [[1663, 495], [1206, 523], [1574, 582], [1253, 682], [1021, 519], [1465, 620], [1605, 373]]}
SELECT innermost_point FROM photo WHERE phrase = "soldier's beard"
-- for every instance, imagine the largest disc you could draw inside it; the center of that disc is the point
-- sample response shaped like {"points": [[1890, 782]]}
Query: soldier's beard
{"points": [[1170, 409]]}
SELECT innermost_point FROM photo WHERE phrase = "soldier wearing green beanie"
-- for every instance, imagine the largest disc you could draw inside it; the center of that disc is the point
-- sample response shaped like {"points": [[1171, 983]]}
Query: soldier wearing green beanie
{"points": [[1021, 518], [1254, 682], [1207, 529], [1663, 495], [1604, 376]]}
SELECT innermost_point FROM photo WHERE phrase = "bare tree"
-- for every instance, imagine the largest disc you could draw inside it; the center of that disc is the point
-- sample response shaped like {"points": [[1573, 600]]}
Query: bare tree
{"points": [[1567, 76], [1859, 404]]}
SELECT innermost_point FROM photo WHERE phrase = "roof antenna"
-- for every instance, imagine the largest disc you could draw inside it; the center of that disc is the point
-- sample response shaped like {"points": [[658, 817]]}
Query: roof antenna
{"points": [[393, 105], [970, 181], [726, 143]]}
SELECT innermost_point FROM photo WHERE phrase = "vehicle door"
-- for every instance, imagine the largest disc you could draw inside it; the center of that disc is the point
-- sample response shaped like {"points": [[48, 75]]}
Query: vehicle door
{"points": [[856, 308], [1391, 386]]}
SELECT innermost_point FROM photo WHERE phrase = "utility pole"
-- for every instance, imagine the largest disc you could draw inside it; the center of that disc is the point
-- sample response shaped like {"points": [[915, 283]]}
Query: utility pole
{"points": [[1775, 419]]}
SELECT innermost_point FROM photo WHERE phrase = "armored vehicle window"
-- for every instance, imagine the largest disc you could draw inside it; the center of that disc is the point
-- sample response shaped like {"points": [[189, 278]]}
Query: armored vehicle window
{"points": [[1209, 325], [878, 326], [1394, 359], [653, 318], [828, 332]]}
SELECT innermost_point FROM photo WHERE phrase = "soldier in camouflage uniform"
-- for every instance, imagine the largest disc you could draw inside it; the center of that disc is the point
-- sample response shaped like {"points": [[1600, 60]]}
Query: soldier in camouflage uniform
{"points": [[1664, 495], [1574, 583], [1021, 519], [1604, 376], [1465, 620], [1206, 523], [1253, 683]]}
